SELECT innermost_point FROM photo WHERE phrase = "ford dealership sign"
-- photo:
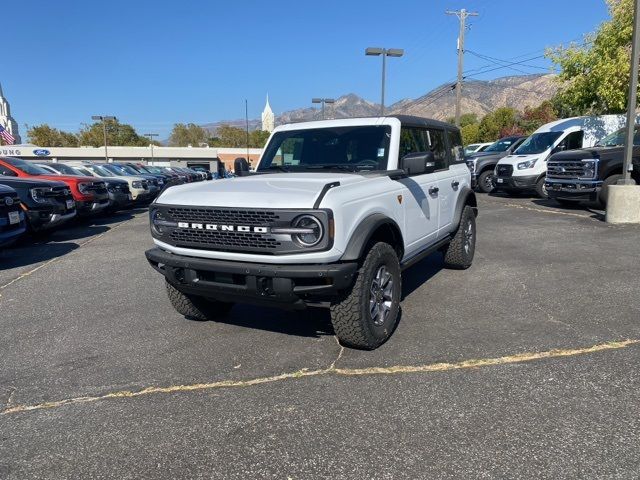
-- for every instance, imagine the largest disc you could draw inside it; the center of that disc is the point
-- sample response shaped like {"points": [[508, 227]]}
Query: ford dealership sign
{"points": [[41, 152]]}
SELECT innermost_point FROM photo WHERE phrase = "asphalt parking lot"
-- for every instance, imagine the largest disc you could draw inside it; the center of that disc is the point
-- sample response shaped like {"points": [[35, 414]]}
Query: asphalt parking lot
{"points": [[523, 366]]}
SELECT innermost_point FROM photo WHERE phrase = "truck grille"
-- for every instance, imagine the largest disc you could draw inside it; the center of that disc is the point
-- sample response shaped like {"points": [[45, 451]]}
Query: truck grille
{"points": [[223, 240], [220, 216], [568, 170], [504, 170], [98, 187], [15, 201]]}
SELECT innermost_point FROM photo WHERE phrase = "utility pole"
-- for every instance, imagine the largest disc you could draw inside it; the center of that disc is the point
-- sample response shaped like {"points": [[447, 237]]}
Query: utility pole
{"points": [[631, 106], [104, 119], [462, 16]]}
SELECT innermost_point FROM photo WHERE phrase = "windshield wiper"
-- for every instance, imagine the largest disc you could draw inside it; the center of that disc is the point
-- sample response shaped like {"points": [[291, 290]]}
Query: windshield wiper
{"points": [[278, 167], [348, 168]]}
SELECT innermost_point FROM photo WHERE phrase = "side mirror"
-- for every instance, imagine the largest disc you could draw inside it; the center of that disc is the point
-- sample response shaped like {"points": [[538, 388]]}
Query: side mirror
{"points": [[241, 166], [419, 163], [559, 148]]}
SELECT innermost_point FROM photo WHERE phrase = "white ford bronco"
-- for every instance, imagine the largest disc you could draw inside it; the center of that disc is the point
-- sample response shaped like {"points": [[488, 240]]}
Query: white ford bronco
{"points": [[332, 214]]}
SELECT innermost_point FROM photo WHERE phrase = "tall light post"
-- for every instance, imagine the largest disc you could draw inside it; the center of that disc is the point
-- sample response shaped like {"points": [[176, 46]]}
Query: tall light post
{"points": [[323, 101], [103, 119], [150, 137], [385, 52]]}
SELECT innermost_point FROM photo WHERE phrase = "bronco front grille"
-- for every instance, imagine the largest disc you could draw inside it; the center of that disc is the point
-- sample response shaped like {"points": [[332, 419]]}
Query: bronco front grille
{"points": [[223, 240], [220, 216]]}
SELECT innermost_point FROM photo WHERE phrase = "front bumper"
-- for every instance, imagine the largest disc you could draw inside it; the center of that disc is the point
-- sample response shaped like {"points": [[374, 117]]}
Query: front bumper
{"points": [[10, 232], [85, 209], [587, 190], [45, 219], [288, 286], [527, 182], [119, 199]]}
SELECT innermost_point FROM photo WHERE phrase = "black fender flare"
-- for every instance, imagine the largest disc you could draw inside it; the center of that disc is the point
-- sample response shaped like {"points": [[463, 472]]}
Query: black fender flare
{"points": [[362, 234], [466, 197], [483, 163]]}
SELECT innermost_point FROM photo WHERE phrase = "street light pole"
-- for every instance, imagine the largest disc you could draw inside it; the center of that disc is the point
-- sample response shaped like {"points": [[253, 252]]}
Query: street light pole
{"points": [[385, 52], [631, 106], [103, 119], [150, 137], [323, 101]]}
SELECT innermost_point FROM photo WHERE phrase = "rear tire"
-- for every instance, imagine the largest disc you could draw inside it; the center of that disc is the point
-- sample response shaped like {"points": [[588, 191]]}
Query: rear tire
{"points": [[541, 190], [604, 191], [367, 316], [485, 181], [460, 251], [195, 307]]}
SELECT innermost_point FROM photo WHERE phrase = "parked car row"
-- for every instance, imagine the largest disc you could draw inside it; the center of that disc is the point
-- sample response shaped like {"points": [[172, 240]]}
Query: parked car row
{"points": [[39, 196], [569, 160]]}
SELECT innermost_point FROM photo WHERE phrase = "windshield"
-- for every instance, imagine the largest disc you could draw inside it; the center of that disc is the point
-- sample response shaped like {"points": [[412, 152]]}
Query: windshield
{"points": [[100, 170], [154, 170], [65, 169], [84, 171], [501, 145], [537, 143], [129, 170], [26, 167], [114, 169], [342, 148], [617, 139]]}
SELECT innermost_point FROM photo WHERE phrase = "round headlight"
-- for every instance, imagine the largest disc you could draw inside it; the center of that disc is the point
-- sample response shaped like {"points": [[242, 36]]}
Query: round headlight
{"points": [[157, 220], [313, 230]]}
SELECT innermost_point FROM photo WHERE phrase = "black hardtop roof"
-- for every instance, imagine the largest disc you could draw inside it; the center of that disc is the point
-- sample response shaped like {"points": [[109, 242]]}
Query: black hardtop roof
{"points": [[413, 121]]}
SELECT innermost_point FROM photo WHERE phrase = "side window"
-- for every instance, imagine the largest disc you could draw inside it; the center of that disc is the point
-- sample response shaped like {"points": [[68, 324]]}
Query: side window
{"points": [[6, 172], [411, 141], [455, 146], [436, 142], [573, 140]]}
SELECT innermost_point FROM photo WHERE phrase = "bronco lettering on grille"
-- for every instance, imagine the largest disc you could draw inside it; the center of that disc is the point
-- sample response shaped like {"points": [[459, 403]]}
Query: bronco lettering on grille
{"points": [[223, 228]]}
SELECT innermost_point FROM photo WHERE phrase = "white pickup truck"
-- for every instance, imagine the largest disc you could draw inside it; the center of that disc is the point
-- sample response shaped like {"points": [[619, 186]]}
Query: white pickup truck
{"points": [[333, 213]]}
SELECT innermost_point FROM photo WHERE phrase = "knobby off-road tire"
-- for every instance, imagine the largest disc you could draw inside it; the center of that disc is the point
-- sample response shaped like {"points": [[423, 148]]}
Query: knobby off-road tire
{"points": [[485, 182], [604, 191], [378, 288], [459, 253], [194, 307]]}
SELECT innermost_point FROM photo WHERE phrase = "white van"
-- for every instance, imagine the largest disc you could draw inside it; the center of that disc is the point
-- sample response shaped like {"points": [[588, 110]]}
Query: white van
{"points": [[526, 167]]}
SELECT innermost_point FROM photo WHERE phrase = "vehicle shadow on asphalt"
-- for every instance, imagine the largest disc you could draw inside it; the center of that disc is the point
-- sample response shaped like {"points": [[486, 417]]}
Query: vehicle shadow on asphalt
{"points": [[34, 253], [416, 275], [312, 323], [593, 208]]}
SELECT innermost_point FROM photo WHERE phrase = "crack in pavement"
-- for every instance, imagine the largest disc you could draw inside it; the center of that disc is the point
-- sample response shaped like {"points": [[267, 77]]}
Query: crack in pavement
{"points": [[332, 370]]}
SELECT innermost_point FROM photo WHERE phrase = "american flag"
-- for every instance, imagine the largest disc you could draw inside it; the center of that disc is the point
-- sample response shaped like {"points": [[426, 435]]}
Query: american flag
{"points": [[6, 136]]}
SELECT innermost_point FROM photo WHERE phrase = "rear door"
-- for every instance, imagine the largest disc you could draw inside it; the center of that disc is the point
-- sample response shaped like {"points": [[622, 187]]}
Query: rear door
{"points": [[452, 177]]}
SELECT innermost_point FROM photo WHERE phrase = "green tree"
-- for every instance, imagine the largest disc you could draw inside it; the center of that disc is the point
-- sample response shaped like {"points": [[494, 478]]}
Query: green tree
{"points": [[258, 138], [465, 119], [533, 118], [118, 134], [470, 133], [494, 124], [184, 135], [594, 76], [46, 136]]}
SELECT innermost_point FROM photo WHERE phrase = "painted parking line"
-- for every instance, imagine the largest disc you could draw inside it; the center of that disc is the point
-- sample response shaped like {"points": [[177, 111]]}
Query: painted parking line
{"points": [[331, 370]]}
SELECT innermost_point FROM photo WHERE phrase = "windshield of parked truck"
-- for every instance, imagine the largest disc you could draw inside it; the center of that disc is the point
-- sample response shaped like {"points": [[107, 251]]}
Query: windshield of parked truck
{"points": [[27, 167], [358, 148], [501, 145], [64, 169], [537, 143], [617, 138], [101, 171]]}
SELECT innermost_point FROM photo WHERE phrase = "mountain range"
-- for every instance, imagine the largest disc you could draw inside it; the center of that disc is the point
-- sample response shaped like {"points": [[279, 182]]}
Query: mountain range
{"points": [[478, 96]]}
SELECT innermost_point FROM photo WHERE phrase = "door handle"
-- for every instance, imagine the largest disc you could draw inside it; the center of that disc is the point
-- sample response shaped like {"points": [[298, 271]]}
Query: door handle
{"points": [[433, 190], [455, 184]]}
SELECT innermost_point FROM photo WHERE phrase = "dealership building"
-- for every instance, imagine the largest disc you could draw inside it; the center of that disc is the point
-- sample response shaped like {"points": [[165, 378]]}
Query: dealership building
{"points": [[207, 157]]}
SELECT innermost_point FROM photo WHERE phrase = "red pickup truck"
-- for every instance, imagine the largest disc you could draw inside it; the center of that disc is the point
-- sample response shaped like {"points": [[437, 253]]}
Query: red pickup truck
{"points": [[90, 194]]}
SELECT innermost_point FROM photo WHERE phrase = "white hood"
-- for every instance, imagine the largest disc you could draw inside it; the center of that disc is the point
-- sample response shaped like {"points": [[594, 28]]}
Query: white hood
{"points": [[276, 190], [515, 159]]}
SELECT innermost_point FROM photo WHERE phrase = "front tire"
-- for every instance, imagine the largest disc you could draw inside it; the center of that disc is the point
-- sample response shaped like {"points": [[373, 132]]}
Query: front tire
{"points": [[367, 316], [541, 189], [604, 191], [194, 307], [460, 251], [485, 181]]}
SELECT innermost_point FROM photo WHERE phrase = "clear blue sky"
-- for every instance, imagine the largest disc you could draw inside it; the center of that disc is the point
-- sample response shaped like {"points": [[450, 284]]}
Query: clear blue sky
{"points": [[155, 63]]}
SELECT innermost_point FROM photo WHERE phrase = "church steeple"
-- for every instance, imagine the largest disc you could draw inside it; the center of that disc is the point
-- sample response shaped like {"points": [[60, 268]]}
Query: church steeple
{"points": [[268, 118], [6, 120]]}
